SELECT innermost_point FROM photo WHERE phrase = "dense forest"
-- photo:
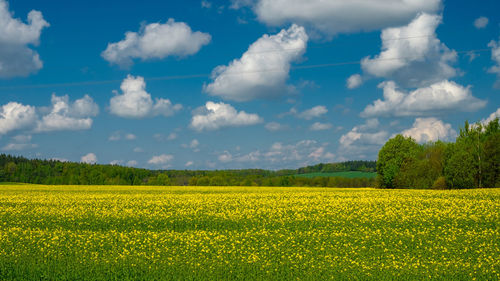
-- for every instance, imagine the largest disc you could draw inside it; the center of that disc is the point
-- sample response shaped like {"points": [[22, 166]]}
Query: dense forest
{"points": [[472, 161], [20, 169], [361, 166]]}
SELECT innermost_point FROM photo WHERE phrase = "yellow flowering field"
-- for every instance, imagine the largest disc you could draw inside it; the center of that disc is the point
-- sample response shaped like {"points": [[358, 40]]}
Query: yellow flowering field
{"points": [[247, 233]]}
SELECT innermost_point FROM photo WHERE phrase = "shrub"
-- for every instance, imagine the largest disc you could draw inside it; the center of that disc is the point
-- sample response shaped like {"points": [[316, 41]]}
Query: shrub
{"points": [[440, 183]]}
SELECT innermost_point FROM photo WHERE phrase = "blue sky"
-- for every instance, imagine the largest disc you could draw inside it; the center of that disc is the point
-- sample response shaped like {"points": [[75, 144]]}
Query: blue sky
{"points": [[242, 83]]}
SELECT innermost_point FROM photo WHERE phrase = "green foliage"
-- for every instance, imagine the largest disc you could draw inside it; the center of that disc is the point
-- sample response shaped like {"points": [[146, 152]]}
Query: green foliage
{"points": [[460, 168], [19, 169], [359, 165], [491, 168], [392, 156], [440, 183], [348, 174], [160, 179], [473, 161], [422, 170]]}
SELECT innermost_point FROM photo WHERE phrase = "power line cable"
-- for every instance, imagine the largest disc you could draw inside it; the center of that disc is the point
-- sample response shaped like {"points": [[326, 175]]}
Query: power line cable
{"points": [[208, 75], [329, 45]]}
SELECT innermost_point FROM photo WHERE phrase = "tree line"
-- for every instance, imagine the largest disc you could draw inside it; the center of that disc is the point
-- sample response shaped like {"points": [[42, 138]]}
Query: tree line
{"points": [[357, 165], [23, 170], [472, 161]]}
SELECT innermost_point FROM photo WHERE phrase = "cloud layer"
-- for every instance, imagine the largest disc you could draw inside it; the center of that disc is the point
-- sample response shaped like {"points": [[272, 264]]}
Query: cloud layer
{"points": [[136, 103], [19, 142], [438, 98], [317, 126], [61, 115], [495, 56], [274, 126], [430, 129], [15, 116], [412, 55], [492, 117], [481, 22], [291, 155], [339, 16], [156, 41], [314, 112], [162, 159], [219, 115], [354, 81], [16, 56], [64, 115], [89, 158], [262, 71], [363, 137]]}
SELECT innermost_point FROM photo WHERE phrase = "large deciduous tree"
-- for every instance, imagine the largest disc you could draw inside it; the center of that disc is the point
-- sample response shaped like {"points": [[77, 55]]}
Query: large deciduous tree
{"points": [[392, 156]]}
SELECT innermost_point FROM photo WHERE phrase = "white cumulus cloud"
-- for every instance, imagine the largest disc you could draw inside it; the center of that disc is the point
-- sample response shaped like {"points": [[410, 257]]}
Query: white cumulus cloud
{"points": [[225, 157], [194, 143], [162, 137], [339, 16], [412, 55], [15, 116], [301, 152], [18, 146], [135, 102], [263, 70], [274, 126], [492, 117], [22, 138], [314, 112], [317, 126], [363, 138], [90, 158], [130, 137], [61, 115], [116, 136], [132, 163], [437, 98], [20, 142], [156, 41], [282, 155], [354, 81], [64, 115], [495, 56], [430, 129], [206, 4], [219, 115], [16, 38], [161, 159], [320, 153], [481, 22]]}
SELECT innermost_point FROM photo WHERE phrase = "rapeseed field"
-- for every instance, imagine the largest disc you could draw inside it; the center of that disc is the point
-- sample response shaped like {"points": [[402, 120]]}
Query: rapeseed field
{"points": [[247, 233]]}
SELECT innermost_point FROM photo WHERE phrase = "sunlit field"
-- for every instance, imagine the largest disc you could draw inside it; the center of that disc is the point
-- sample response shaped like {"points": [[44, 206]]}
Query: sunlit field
{"points": [[247, 233]]}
